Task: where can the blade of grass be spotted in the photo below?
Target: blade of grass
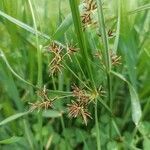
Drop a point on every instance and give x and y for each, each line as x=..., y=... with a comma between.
x=13, y=117
x=139, y=9
x=2, y=55
x=135, y=103
x=27, y=27
x=81, y=38
x=11, y=140
x=23, y=25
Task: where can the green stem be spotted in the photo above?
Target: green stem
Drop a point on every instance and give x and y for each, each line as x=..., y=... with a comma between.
x=63, y=128
x=106, y=55
x=97, y=128
x=81, y=39
x=39, y=60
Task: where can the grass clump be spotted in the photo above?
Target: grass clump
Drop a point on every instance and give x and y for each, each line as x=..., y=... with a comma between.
x=76, y=77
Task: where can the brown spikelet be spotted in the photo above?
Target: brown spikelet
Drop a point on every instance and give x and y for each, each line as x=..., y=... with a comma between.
x=86, y=17
x=45, y=102
x=80, y=94
x=55, y=65
x=77, y=109
x=71, y=49
x=115, y=59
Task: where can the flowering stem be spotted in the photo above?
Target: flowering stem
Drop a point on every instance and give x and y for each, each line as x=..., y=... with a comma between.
x=97, y=128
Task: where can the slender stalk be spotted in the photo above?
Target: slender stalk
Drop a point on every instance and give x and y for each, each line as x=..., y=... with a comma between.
x=39, y=52
x=63, y=128
x=106, y=55
x=39, y=77
x=97, y=128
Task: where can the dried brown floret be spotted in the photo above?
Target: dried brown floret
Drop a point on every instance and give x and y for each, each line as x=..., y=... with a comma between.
x=115, y=59
x=56, y=63
x=110, y=33
x=45, y=102
x=89, y=5
x=41, y=105
x=55, y=48
x=77, y=109
x=80, y=94
x=71, y=49
x=86, y=17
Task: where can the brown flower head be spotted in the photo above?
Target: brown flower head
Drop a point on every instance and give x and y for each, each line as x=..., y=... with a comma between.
x=77, y=109
x=80, y=94
x=55, y=48
x=89, y=5
x=45, y=102
x=41, y=105
x=110, y=33
x=115, y=59
x=56, y=63
x=86, y=17
x=71, y=49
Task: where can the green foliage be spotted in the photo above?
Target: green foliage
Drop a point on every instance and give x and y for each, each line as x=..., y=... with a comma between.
x=104, y=60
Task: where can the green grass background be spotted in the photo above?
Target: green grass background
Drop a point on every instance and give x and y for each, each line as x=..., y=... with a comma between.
x=26, y=26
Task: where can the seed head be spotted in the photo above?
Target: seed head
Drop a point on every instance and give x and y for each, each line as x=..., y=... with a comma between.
x=45, y=102
x=55, y=65
x=86, y=17
x=71, y=49
x=81, y=95
x=115, y=59
x=77, y=109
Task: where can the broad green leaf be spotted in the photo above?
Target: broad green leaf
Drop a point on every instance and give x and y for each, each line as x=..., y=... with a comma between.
x=51, y=114
x=11, y=140
x=135, y=103
x=12, y=118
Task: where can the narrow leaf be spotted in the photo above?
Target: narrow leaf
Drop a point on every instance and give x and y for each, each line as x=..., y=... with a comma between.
x=11, y=140
x=12, y=118
x=135, y=103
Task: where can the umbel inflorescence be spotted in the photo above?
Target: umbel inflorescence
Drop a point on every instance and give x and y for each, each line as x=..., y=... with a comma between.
x=81, y=98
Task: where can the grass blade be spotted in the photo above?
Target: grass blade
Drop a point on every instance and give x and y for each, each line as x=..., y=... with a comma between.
x=11, y=140
x=81, y=37
x=13, y=117
x=135, y=103
x=23, y=25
